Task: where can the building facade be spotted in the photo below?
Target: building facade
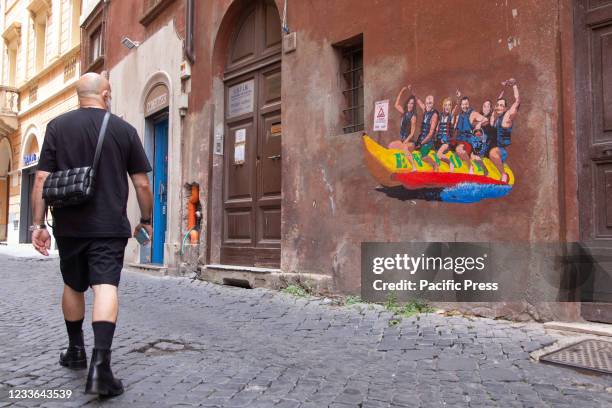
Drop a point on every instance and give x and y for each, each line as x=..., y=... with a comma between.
x=40, y=66
x=254, y=113
x=143, y=55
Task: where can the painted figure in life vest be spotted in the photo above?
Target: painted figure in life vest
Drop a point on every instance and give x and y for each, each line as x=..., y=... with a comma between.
x=503, y=119
x=469, y=132
x=446, y=126
x=425, y=141
x=489, y=134
x=408, y=124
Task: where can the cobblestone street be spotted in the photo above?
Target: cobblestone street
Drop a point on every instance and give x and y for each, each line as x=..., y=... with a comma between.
x=183, y=342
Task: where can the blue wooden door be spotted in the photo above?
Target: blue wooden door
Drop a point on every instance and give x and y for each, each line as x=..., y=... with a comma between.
x=160, y=191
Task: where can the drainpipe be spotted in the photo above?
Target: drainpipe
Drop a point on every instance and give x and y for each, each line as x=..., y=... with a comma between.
x=192, y=217
x=190, y=27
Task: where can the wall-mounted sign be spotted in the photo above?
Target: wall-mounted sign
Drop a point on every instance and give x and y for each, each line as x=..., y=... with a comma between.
x=30, y=159
x=239, y=146
x=241, y=98
x=218, y=146
x=157, y=99
x=381, y=116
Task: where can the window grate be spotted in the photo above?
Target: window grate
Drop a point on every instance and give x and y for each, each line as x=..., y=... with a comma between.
x=70, y=69
x=33, y=94
x=352, y=72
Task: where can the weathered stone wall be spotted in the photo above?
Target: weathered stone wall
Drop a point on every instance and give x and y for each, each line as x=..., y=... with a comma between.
x=438, y=47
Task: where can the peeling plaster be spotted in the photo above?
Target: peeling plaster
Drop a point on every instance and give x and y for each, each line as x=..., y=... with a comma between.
x=330, y=189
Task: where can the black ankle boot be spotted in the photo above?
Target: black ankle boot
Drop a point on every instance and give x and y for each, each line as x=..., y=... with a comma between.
x=101, y=380
x=74, y=357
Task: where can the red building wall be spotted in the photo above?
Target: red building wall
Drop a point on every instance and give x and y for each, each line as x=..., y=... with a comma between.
x=124, y=21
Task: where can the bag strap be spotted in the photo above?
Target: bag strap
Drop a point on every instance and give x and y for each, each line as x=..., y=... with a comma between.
x=101, y=140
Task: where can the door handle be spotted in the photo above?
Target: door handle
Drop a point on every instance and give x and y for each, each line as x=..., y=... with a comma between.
x=607, y=152
x=275, y=157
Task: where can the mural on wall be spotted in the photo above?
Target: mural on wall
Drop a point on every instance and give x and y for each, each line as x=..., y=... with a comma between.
x=456, y=155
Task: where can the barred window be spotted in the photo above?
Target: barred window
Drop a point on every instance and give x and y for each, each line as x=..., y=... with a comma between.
x=70, y=68
x=351, y=68
x=33, y=93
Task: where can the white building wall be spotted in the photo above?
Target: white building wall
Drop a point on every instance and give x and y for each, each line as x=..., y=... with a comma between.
x=159, y=57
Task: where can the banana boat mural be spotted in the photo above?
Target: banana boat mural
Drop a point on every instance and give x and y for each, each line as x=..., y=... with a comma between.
x=392, y=169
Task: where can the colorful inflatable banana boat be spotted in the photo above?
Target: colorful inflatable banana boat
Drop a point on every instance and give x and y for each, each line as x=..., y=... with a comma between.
x=392, y=168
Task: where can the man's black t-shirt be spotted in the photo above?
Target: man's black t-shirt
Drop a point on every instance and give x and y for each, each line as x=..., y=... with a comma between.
x=70, y=142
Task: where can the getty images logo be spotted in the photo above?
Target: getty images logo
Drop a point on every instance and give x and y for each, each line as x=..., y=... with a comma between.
x=411, y=264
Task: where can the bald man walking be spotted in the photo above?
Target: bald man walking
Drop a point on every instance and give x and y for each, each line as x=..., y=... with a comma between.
x=91, y=237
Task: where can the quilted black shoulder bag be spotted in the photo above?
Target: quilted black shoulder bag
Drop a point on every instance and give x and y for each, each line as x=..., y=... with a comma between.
x=72, y=187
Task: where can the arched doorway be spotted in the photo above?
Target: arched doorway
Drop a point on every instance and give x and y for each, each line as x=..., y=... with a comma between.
x=5, y=168
x=252, y=160
x=156, y=111
x=29, y=161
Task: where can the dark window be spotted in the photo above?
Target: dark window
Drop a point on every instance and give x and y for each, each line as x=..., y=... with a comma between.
x=95, y=45
x=351, y=67
x=33, y=93
x=70, y=68
x=93, y=42
x=153, y=8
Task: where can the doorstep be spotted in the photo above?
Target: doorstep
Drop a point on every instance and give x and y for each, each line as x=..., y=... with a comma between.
x=598, y=329
x=255, y=269
x=259, y=277
x=151, y=269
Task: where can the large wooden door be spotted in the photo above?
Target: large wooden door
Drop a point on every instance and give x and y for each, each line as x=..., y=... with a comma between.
x=593, y=33
x=252, y=159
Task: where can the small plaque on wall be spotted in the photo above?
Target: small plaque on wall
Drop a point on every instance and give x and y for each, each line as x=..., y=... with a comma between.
x=218, y=146
x=241, y=98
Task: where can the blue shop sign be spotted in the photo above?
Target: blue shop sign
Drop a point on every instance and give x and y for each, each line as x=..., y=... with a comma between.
x=30, y=159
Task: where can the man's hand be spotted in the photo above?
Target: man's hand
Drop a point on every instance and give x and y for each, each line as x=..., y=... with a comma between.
x=41, y=239
x=147, y=228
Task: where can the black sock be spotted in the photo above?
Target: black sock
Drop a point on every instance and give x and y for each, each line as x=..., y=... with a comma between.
x=75, y=333
x=103, y=334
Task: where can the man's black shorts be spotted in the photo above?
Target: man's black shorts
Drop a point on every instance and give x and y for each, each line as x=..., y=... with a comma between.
x=86, y=262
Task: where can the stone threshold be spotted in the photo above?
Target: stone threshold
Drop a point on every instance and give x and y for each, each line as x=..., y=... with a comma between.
x=242, y=268
x=155, y=270
x=258, y=277
x=597, y=329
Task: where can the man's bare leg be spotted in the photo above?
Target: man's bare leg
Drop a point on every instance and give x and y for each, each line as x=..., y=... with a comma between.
x=427, y=159
x=465, y=157
x=495, y=156
x=73, y=306
x=409, y=148
x=441, y=155
x=478, y=159
x=106, y=303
